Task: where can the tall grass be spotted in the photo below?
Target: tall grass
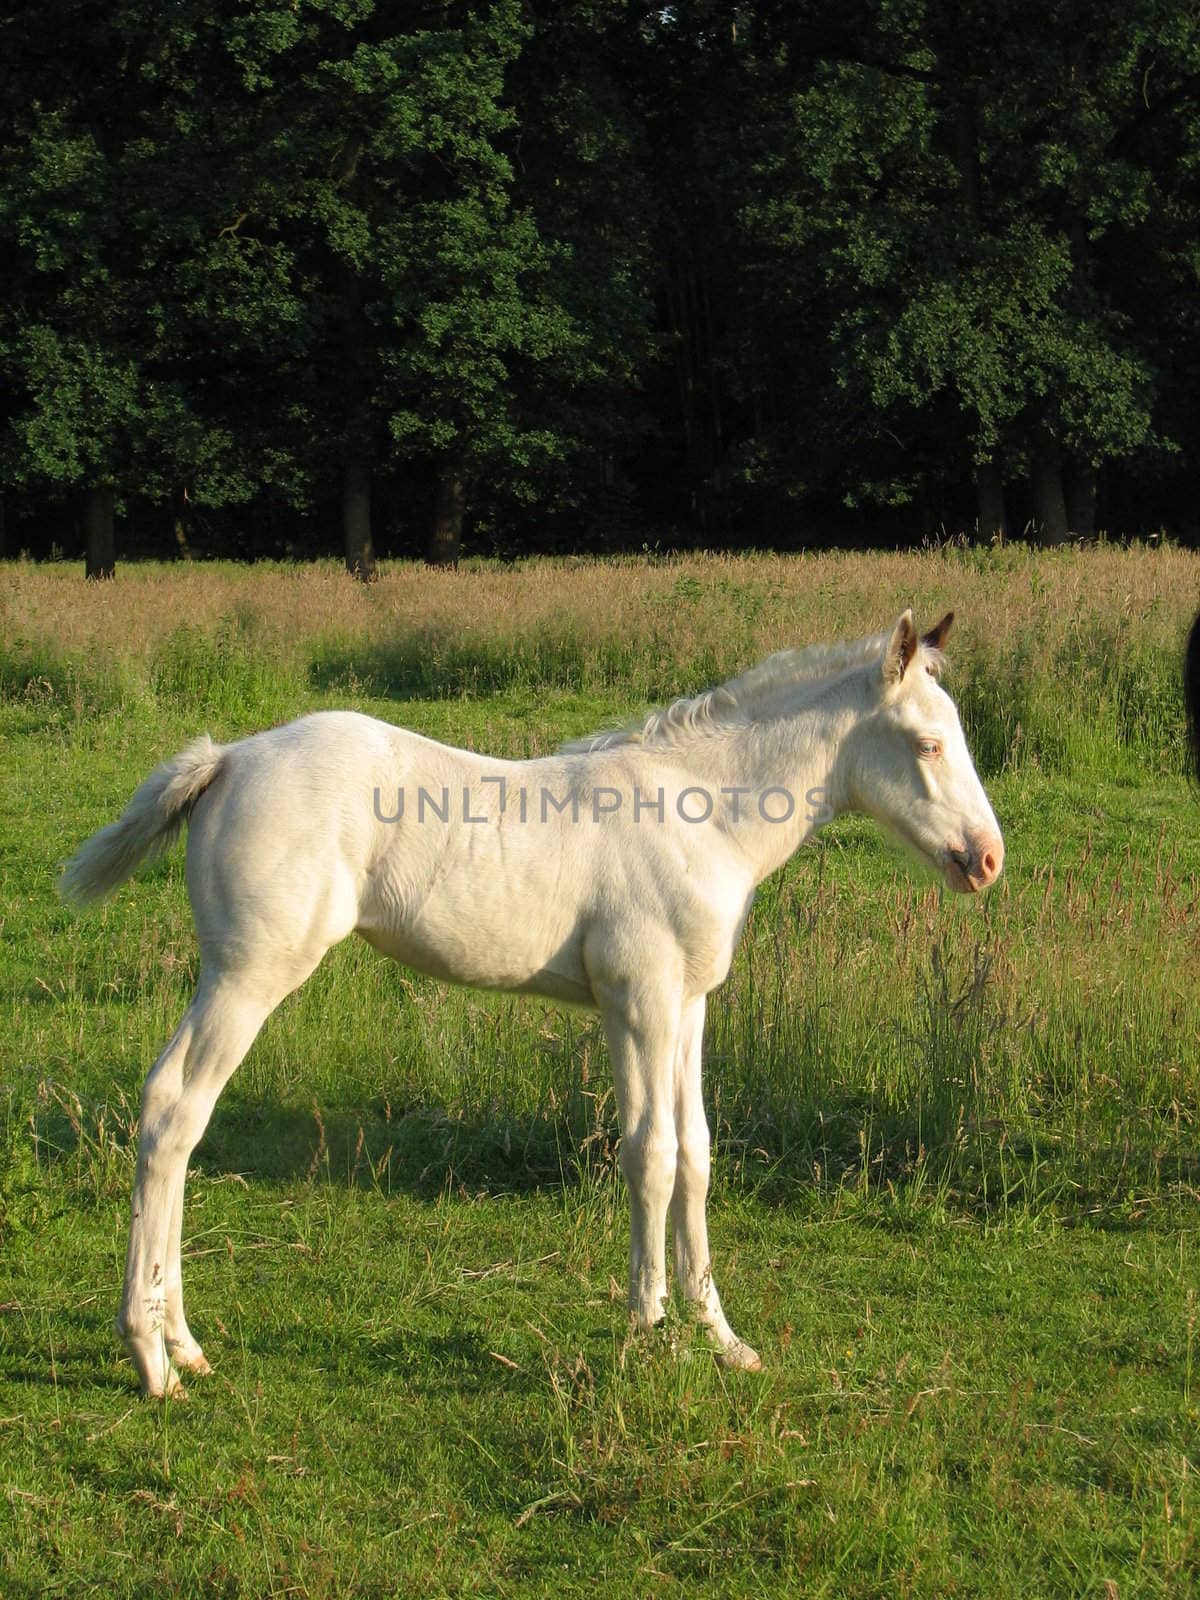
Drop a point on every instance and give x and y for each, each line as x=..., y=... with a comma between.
x=1064, y=660
x=874, y=1038
x=871, y=1032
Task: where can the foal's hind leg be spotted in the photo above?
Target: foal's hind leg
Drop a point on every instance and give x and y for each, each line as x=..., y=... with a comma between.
x=185, y=1353
x=693, y=1267
x=177, y=1101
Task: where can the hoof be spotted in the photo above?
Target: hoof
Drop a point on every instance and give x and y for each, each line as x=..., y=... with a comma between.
x=154, y=1366
x=739, y=1357
x=172, y=1389
x=189, y=1358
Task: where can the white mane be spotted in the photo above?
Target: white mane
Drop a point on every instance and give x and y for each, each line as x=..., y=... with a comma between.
x=784, y=681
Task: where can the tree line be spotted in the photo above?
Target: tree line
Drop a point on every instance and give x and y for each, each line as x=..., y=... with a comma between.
x=284, y=275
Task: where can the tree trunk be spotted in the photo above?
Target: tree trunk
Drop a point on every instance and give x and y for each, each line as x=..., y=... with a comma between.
x=989, y=476
x=1081, y=499
x=356, y=521
x=98, y=528
x=357, y=385
x=1049, y=502
x=989, y=484
x=449, y=507
x=181, y=517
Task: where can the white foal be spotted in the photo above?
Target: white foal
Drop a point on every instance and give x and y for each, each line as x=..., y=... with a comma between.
x=616, y=874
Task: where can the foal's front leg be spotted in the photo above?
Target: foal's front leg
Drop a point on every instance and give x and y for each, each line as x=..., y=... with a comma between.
x=641, y=1024
x=693, y=1266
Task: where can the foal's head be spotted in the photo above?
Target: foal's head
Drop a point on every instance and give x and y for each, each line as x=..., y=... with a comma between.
x=910, y=767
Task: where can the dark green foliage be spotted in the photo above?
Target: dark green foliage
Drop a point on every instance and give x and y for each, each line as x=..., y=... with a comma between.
x=590, y=273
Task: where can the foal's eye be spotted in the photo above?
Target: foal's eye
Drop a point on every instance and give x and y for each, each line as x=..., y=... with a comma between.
x=928, y=748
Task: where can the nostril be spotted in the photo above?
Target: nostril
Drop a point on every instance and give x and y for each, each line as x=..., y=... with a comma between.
x=990, y=859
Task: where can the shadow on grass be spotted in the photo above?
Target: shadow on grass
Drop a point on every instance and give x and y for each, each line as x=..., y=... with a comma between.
x=435, y=666
x=421, y=1150
x=69, y=1352
x=856, y=1148
x=853, y=1149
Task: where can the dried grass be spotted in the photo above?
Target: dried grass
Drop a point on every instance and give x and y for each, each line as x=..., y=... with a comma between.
x=785, y=599
x=1097, y=632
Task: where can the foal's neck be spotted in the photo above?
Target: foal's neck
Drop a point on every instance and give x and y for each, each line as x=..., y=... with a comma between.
x=792, y=760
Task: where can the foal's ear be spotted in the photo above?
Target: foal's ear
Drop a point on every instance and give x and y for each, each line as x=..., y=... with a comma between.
x=936, y=637
x=900, y=649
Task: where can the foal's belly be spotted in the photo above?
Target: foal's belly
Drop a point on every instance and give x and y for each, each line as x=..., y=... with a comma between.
x=494, y=968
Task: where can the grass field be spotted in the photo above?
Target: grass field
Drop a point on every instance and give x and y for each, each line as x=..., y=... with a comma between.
x=958, y=1165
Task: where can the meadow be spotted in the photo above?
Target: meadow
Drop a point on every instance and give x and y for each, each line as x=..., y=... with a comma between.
x=957, y=1161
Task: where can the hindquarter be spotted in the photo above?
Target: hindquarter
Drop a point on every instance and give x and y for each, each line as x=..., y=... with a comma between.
x=276, y=859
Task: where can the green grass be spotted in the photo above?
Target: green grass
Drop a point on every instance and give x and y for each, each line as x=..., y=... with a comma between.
x=954, y=1207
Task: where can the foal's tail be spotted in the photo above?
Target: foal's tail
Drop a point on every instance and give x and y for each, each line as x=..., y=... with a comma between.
x=1191, y=693
x=147, y=826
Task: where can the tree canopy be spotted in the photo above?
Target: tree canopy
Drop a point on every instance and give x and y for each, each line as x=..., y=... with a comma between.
x=593, y=274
